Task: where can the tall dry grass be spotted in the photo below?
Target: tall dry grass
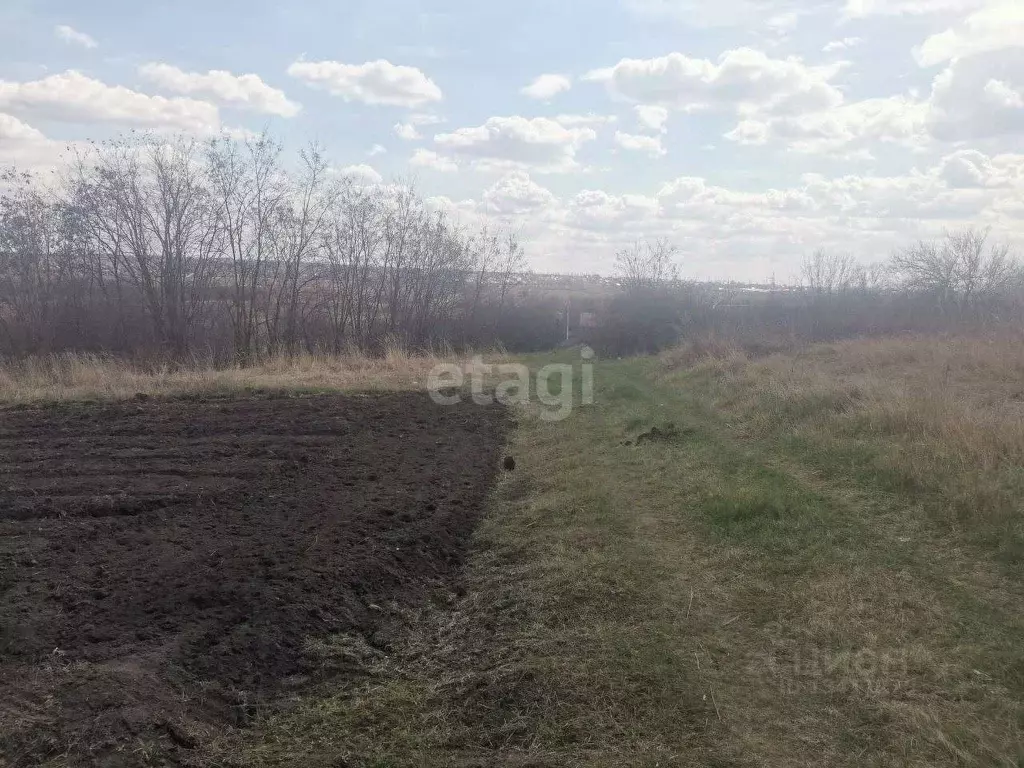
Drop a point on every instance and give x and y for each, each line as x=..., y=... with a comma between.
x=939, y=416
x=99, y=377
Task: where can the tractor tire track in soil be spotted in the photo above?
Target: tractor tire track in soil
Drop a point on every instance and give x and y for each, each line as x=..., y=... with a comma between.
x=164, y=563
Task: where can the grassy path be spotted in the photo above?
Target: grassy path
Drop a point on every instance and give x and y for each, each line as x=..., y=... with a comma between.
x=713, y=596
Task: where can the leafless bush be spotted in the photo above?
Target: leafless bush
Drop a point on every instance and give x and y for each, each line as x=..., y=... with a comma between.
x=959, y=283
x=828, y=273
x=650, y=311
x=647, y=265
x=960, y=272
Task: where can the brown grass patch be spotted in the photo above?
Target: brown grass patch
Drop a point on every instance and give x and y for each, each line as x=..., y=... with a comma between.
x=940, y=415
x=103, y=377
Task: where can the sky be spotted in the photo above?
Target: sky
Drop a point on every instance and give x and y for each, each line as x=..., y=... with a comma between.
x=748, y=133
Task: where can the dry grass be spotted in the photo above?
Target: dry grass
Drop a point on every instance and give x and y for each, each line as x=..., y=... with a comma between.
x=939, y=416
x=98, y=377
x=876, y=490
x=881, y=483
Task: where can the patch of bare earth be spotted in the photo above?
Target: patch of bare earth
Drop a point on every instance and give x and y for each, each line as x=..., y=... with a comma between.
x=166, y=565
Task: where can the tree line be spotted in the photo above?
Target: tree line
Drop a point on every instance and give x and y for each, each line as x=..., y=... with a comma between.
x=963, y=281
x=229, y=250
x=226, y=249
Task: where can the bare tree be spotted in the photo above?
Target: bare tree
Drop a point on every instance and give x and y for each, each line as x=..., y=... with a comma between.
x=647, y=265
x=826, y=273
x=960, y=271
x=145, y=207
x=484, y=252
x=875, y=278
x=249, y=188
x=228, y=247
x=301, y=222
x=511, y=262
x=31, y=268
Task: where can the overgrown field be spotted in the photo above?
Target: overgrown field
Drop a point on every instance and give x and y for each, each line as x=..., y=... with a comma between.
x=810, y=558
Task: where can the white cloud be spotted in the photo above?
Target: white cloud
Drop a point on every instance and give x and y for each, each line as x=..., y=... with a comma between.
x=691, y=197
x=753, y=133
x=74, y=97
x=860, y=124
x=916, y=196
x=979, y=97
x=377, y=149
x=724, y=232
x=245, y=91
x=538, y=143
x=16, y=137
x=240, y=133
x=597, y=211
x=1002, y=95
x=74, y=37
x=842, y=45
x=406, y=131
x=867, y=214
x=651, y=145
x=409, y=130
x=993, y=28
x=25, y=147
x=426, y=158
x=466, y=212
x=375, y=82
x=651, y=117
x=971, y=169
x=13, y=130
x=361, y=174
x=546, y=87
x=743, y=80
x=517, y=193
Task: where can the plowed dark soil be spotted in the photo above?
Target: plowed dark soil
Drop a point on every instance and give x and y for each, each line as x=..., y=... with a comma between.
x=164, y=563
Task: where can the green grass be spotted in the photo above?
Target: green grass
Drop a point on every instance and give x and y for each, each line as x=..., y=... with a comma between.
x=733, y=594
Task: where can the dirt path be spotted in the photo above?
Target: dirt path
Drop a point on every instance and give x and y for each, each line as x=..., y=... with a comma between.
x=164, y=563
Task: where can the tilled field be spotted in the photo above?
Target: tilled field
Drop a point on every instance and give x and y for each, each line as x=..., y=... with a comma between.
x=165, y=563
